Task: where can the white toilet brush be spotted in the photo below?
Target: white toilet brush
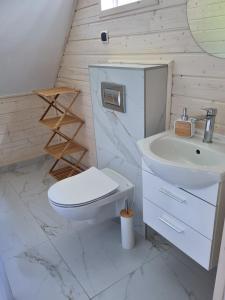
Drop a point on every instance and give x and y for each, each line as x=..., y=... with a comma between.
x=127, y=227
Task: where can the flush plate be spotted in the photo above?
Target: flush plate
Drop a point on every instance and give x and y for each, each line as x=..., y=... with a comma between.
x=113, y=96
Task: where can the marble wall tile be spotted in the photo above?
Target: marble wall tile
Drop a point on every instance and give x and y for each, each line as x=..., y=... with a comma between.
x=97, y=259
x=116, y=133
x=131, y=172
x=112, y=135
x=40, y=274
x=134, y=82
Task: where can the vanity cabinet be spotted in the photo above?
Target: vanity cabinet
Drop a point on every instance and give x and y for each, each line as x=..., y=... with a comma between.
x=192, y=220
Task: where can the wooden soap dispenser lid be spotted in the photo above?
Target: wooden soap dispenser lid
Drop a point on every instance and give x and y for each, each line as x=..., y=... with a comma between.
x=184, y=127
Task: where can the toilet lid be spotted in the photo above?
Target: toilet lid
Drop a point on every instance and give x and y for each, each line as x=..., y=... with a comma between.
x=85, y=187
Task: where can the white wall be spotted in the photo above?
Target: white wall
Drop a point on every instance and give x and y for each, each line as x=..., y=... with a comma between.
x=32, y=39
x=21, y=135
x=153, y=33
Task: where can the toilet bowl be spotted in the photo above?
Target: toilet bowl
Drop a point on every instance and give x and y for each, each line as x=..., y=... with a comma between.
x=94, y=195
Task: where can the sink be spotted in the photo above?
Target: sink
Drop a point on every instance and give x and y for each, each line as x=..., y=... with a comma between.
x=184, y=162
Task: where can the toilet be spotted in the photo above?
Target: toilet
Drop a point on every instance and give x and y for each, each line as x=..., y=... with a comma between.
x=93, y=195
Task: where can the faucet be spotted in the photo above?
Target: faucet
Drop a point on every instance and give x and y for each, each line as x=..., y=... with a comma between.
x=209, y=124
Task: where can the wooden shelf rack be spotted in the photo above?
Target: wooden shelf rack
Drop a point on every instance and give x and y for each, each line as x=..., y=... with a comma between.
x=62, y=149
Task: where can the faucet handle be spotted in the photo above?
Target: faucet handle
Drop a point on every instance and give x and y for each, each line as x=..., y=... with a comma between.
x=210, y=111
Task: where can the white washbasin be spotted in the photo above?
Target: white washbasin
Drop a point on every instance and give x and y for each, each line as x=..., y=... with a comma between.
x=187, y=163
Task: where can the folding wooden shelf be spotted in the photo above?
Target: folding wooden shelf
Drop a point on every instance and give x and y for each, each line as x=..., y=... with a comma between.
x=63, y=149
x=53, y=123
x=64, y=172
x=65, y=116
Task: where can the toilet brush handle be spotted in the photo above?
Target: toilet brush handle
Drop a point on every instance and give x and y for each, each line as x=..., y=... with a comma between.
x=126, y=206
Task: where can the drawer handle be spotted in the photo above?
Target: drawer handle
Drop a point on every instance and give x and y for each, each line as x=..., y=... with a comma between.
x=174, y=227
x=171, y=195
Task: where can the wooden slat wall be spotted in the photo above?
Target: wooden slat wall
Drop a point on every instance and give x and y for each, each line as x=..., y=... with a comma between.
x=21, y=136
x=159, y=32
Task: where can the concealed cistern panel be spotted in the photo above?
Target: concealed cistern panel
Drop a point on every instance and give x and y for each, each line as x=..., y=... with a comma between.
x=113, y=96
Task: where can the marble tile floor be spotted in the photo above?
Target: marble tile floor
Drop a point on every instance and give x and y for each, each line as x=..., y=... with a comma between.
x=49, y=258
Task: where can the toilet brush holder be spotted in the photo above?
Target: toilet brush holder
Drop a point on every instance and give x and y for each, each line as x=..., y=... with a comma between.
x=127, y=228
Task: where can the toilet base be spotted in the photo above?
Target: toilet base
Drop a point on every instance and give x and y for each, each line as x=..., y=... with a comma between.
x=94, y=214
x=102, y=209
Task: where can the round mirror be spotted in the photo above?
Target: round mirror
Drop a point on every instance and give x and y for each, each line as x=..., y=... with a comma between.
x=206, y=19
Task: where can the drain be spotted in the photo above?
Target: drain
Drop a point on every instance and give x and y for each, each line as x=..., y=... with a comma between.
x=198, y=151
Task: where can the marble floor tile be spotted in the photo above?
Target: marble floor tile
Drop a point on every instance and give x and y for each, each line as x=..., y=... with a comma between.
x=48, y=257
x=198, y=281
x=175, y=258
x=162, y=278
x=52, y=224
x=96, y=258
x=40, y=274
x=31, y=180
x=9, y=200
x=18, y=229
x=158, y=241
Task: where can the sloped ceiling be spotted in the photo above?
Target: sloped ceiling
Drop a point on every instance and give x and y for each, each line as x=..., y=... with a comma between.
x=32, y=41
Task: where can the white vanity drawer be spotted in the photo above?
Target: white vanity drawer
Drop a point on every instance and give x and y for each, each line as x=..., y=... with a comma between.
x=189, y=209
x=182, y=236
x=209, y=194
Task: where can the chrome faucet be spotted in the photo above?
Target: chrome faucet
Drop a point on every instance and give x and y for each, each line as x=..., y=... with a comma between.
x=209, y=124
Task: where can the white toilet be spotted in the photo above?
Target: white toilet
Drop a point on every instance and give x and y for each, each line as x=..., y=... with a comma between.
x=94, y=195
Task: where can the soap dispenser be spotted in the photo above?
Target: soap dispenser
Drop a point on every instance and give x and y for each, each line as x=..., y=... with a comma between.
x=184, y=126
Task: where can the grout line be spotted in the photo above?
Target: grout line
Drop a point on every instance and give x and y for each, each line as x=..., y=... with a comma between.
x=127, y=54
x=196, y=98
x=127, y=275
x=143, y=33
x=82, y=287
x=202, y=76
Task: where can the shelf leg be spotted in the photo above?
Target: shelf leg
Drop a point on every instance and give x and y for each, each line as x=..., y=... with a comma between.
x=54, y=165
x=51, y=138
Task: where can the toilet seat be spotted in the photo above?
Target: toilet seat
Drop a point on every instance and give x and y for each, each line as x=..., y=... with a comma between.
x=85, y=188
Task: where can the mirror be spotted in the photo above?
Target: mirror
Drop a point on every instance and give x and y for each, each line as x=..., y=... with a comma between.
x=206, y=19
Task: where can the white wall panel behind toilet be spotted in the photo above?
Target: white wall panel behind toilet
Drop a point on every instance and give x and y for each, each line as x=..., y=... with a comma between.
x=116, y=133
x=33, y=36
